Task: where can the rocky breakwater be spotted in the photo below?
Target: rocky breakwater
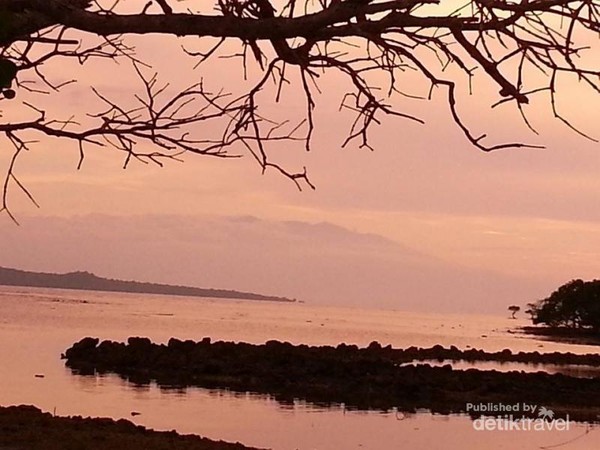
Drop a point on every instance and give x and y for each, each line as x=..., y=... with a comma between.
x=440, y=353
x=373, y=377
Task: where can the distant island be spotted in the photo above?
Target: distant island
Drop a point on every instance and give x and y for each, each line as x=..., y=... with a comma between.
x=87, y=281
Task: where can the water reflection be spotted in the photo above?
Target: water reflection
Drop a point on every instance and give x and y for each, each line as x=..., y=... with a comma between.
x=262, y=421
x=35, y=330
x=572, y=370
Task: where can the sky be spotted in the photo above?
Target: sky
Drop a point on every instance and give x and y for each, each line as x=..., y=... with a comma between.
x=425, y=222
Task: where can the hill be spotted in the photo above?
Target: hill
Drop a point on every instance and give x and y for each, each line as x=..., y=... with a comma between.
x=89, y=282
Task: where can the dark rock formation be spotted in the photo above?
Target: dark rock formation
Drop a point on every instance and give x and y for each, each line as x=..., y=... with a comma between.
x=26, y=427
x=366, y=378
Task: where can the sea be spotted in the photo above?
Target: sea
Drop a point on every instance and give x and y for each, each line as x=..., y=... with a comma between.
x=37, y=325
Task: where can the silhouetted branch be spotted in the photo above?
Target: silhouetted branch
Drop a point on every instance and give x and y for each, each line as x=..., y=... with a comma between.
x=495, y=40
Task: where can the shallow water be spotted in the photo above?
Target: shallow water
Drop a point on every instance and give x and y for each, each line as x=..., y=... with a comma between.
x=36, y=325
x=572, y=370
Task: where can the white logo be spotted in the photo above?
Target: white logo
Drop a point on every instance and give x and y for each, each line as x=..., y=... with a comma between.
x=545, y=413
x=545, y=420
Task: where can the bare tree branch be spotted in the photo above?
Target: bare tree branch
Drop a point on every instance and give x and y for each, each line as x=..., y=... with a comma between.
x=444, y=43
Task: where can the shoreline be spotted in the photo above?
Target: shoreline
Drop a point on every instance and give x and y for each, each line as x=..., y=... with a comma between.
x=562, y=335
x=27, y=427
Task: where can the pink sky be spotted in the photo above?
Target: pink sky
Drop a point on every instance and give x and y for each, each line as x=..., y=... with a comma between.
x=518, y=222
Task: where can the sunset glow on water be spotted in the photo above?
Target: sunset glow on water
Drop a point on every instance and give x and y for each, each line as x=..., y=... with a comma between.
x=45, y=322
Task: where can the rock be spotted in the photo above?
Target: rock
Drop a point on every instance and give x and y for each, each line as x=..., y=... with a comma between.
x=366, y=378
x=84, y=346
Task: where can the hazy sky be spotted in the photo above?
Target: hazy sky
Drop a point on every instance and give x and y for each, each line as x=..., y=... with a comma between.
x=424, y=222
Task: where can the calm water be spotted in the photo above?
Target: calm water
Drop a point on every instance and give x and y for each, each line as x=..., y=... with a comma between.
x=36, y=325
x=579, y=371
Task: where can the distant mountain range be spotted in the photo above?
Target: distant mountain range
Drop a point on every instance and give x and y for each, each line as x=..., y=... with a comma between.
x=89, y=282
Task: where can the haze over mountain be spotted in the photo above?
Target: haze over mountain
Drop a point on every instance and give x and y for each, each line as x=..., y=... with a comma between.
x=320, y=263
